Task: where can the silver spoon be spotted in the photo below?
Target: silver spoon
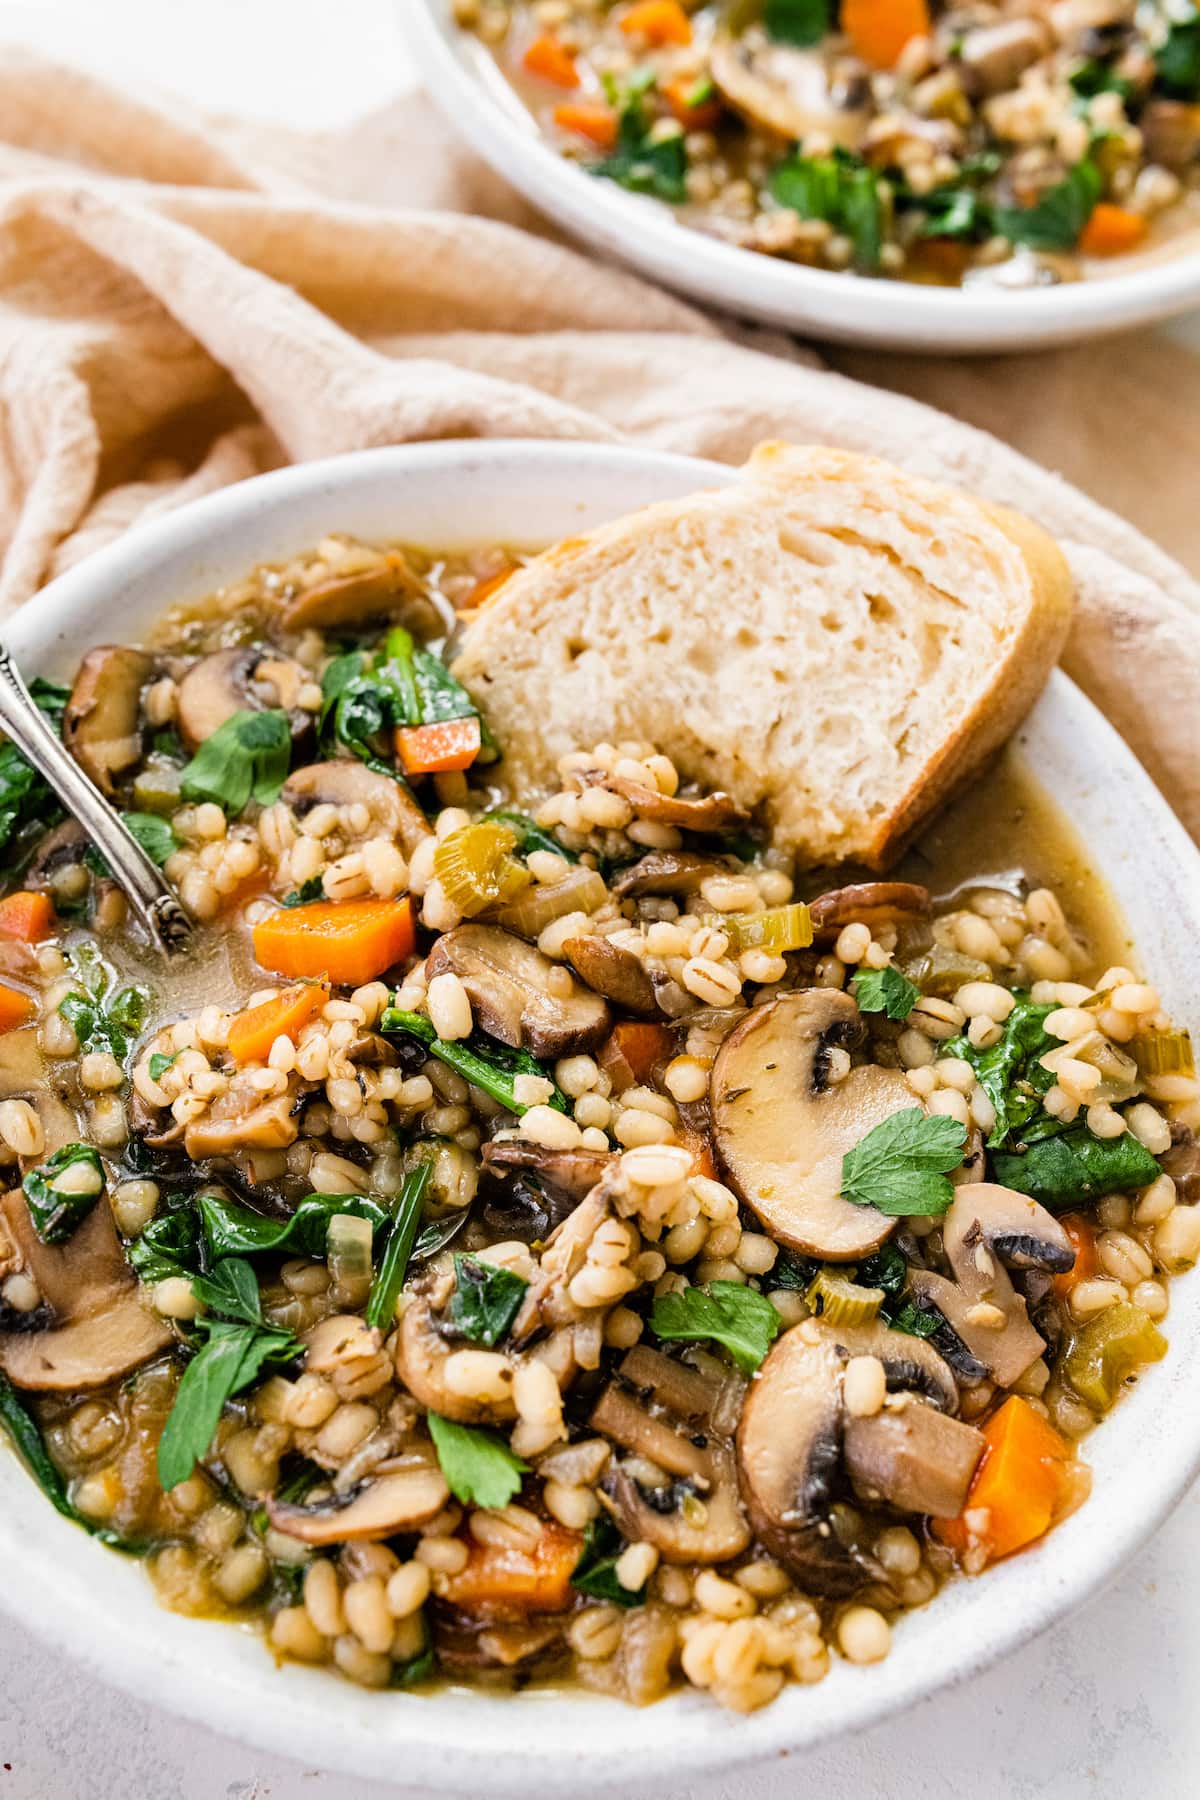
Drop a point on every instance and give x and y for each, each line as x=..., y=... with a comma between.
x=153, y=901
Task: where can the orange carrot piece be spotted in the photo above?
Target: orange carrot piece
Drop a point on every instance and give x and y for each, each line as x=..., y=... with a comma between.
x=879, y=29
x=483, y=590
x=631, y=1050
x=348, y=942
x=547, y=59
x=599, y=125
x=1082, y=1234
x=659, y=22
x=16, y=1008
x=504, y=1581
x=285, y=1015
x=435, y=749
x=693, y=118
x=701, y=1149
x=27, y=915
x=1017, y=1486
x=1112, y=230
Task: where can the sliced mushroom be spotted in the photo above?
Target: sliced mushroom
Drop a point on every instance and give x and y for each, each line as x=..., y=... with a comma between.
x=576, y=1172
x=240, y=1119
x=869, y=902
x=1171, y=130
x=914, y=1457
x=703, y=812
x=781, y=1128
x=23, y=1076
x=607, y=969
x=224, y=683
x=347, y=782
x=464, y=1646
x=351, y=599
x=667, y=872
x=792, y=1444
x=101, y=721
x=508, y=982
x=95, y=1325
x=986, y=1227
x=662, y=1411
x=422, y=1350
x=401, y=1496
x=1181, y=1162
x=995, y=56
x=786, y=90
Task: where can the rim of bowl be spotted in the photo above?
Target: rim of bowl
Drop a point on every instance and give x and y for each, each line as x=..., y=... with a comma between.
x=645, y=232
x=453, y=1740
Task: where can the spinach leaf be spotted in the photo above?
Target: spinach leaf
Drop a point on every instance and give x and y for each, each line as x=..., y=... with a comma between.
x=595, y=1574
x=1056, y=220
x=793, y=1271
x=479, y=1467
x=741, y=1320
x=1011, y=1072
x=28, y=805
x=108, y=1026
x=916, y=1321
x=160, y=1063
x=169, y=1245
x=231, y=1359
x=530, y=835
x=958, y=212
x=902, y=1166
x=380, y=1309
x=1071, y=1166
x=840, y=189
x=59, y=1201
x=800, y=22
x=479, y=1059
x=885, y=1268
x=1092, y=77
x=231, y=1288
x=152, y=833
x=1178, y=60
x=885, y=991
x=245, y=758
x=640, y=161
x=485, y=1301
x=231, y=1229
x=307, y=892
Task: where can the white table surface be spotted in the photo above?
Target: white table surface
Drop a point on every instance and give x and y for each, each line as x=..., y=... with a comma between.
x=1102, y=1708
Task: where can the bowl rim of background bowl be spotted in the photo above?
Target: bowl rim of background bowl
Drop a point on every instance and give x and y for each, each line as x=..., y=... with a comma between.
x=825, y=304
x=100, y=1610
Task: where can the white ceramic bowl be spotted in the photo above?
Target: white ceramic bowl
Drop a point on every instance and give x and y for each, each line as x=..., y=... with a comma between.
x=99, y=1607
x=478, y=103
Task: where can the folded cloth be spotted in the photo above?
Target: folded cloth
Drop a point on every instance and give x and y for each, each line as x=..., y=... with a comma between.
x=186, y=302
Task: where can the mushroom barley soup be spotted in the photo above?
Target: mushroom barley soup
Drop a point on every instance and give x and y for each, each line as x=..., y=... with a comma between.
x=539, y=1234
x=1020, y=144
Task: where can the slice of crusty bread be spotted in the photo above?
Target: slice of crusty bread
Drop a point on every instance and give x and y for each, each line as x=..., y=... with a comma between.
x=836, y=643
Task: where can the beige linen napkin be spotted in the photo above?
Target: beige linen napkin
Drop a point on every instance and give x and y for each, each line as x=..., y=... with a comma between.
x=184, y=303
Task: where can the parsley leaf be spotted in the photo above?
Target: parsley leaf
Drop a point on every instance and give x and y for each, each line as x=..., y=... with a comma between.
x=1072, y=1166
x=901, y=1167
x=740, y=1319
x=885, y=991
x=153, y=834
x=916, y=1321
x=640, y=161
x=1011, y=1072
x=479, y=1466
x=1056, y=220
x=229, y=1361
x=245, y=759
x=160, y=1062
x=479, y=1059
x=485, y=1301
x=103, y=1024
x=840, y=189
x=800, y=22
x=312, y=889
x=1178, y=60
x=56, y=1206
x=595, y=1574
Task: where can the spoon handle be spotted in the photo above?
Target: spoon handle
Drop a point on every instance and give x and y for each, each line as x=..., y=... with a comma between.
x=148, y=893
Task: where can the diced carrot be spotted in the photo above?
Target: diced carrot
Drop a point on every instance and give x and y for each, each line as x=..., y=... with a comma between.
x=596, y=123
x=1082, y=1234
x=879, y=29
x=701, y=117
x=345, y=941
x=1017, y=1486
x=631, y=1050
x=547, y=59
x=27, y=915
x=435, y=749
x=659, y=22
x=483, y=590
x=701, y=1149
x=285, y=1015
x=507, y=1581
x=16, y=1008
x=1111, y=230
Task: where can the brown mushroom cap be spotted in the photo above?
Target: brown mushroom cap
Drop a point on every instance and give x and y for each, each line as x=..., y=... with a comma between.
x=782, y=88
x=612, y=971
x=702, y=812
x=871, y=903
x=400, y=1496
x=98, y=1328
x=576, y=1172
x=240, y=1119
x=509, y=988
x=101, y=721
x=781, y=1130
x=222, y=684
x=667, y=872
x=345, y=781
x=351, y=599
x=422, y=1350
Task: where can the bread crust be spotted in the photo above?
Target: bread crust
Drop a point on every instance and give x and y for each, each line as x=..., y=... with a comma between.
x=523, y=633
